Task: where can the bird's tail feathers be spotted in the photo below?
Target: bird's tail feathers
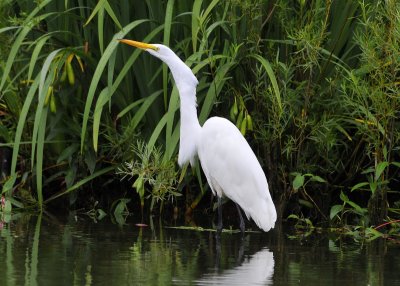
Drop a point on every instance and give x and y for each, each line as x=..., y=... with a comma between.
x=264, y=216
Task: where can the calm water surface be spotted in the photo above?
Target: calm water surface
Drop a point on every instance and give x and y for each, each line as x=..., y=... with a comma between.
x=43, y=250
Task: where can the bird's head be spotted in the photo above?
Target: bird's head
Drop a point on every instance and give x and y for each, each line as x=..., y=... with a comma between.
x=160, y=51
x=182, y=74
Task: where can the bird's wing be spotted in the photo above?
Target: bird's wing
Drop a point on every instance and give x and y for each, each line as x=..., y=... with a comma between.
x=232, y=168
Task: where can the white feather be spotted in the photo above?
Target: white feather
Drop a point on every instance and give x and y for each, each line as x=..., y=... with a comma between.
x=233, y=170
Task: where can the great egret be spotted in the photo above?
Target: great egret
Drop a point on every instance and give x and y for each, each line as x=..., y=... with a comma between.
x=229, y=164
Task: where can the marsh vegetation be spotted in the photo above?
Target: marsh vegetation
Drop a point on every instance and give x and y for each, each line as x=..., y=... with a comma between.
x=313, y=86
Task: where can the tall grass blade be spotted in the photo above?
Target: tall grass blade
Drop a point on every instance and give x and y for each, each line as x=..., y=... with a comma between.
x=5, y=29
x=128, y=64
x=101, y=101
x=39, y=156
x=97, y=8
x=157, y=131
x=98, y=73
x=129, y=108
x=268, y=68
x=167, y=33
x=196, y=23
x=26, y=28
x=112, y=15
x=32, y=269
x=82, y=182
x=172, y=108
x=35, y=55
x=21, y=123
x=46, y=78
x=215, y=88
x=100, y=29
x=143, y=109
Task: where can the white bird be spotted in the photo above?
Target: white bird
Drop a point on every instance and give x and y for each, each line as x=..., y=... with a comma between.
x=228, y=162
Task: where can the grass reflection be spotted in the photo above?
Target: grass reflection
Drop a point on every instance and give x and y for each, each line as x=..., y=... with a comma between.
x=5, y=234
x=32, y=257
x=43, y=250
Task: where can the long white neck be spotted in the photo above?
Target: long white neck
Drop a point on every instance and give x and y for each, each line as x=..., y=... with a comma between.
x=190, y=128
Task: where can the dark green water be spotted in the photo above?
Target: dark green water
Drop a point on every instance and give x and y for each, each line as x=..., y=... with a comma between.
x=76, y=251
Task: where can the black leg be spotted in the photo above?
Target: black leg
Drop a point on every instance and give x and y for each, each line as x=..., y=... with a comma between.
x=242, y=226
x=219, y=226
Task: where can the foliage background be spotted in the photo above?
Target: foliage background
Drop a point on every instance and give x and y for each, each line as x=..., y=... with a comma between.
x=313, y=85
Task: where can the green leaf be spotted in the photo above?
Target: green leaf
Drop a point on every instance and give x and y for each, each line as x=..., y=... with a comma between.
x=82, y=182
x=2, y=30
x=343, y=131
x=298, y=182
x=344, y=198
x=121, y=206
x=317, y=179
x=380, y=168
x=359, y=186
x=101, y=101
x=39, y=156
x=112, y=15
x=9, y=184
x=67, y=153
x=131, y=60
x=309, y=222
x=306, y=203
x=139, y=186
x=26, y=28
x=45, y=80
x=167, y=33
x=157, y=131
x=357, y=208
x=373, y=186
x=16, y=203
x=4, y=134
x=268, y=68
x=119, y=219
x=214, y=90
x=140, y=113
x=100, y=28
x=335, y=210
x=373, y=233
x=196, y=22
x=170, y=124
x=293, y=216
x=21, y=123
x=35, y=55
x=90, y=160
x=101, y=214
x=397, y=164
x=7, y=206
x=100, y=5
x=129, y=107
x=98, y=73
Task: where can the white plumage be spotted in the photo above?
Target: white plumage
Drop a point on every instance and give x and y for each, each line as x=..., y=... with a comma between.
x=230, y=165
x=233, y=170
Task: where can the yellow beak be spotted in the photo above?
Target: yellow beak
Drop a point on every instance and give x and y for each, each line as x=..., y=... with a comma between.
x=139, y=45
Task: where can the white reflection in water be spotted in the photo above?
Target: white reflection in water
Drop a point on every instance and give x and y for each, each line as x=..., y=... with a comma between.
x=256, y=270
